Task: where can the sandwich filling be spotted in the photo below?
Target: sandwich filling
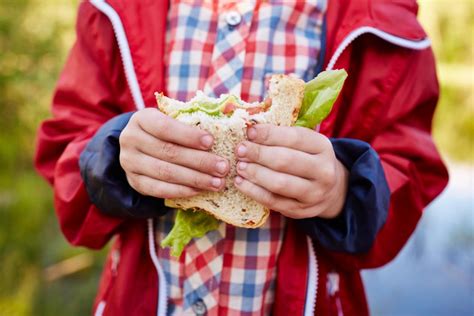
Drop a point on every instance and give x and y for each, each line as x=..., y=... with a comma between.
x=226, y=105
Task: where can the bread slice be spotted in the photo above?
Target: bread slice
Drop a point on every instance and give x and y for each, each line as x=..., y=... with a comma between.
x=230, y=205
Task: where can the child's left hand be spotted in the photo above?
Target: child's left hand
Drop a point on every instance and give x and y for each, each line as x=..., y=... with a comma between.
x=292, y=170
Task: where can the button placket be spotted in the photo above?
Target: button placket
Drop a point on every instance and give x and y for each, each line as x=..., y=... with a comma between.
x=228, y=56
x=199, y=307
x=233, y=18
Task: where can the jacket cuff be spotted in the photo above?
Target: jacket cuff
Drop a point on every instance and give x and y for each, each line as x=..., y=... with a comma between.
x=366, y=206
x=105, y=180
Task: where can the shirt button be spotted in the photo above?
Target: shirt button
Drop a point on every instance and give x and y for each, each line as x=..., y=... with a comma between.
x=233, y=18
x=199, y=307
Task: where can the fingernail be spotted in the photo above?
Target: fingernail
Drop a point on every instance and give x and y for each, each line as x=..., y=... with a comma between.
x=221, y=166
x=241, y=151
x=206, y=140
x=251, y=133
x=242, y=165
x=216, y=182
x=238, y=180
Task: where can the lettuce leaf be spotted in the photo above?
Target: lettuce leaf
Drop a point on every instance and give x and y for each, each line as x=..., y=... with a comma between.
x=319, y=97
x=210, y=108
x=188, y=225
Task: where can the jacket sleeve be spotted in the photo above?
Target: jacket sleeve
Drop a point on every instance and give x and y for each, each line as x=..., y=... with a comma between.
x=105, y=180
x=366, y=203
x=88, y=93
x=400, y=133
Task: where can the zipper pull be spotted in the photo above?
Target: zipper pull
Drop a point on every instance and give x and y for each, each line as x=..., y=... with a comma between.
x=332, y=288
x=333, y=283
x=115, y=257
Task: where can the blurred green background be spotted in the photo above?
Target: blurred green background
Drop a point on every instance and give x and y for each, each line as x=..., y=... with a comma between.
x=40, y=274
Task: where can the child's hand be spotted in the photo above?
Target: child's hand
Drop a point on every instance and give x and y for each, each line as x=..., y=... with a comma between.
x=292, y=170
x=167, y=159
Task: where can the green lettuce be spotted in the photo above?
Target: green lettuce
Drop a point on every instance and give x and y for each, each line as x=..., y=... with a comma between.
x=319, y=97
x=210, y=108
x=188, y=225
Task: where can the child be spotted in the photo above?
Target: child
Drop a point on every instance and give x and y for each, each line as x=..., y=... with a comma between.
x=340, y=204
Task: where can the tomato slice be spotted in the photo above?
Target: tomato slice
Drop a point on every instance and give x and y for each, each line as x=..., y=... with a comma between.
x=229, y=108
x=254, y=110
x=267, y=103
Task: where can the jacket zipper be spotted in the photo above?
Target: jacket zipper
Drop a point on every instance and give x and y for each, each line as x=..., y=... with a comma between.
x=162, y=290
x=313, y=274
x=124, y=49
x=134, y=86
x=399, y=41
x=115, y=260
x=99, y=311
x=312, y=290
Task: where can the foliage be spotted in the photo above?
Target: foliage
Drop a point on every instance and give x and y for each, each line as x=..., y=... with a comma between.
x=454, y=123
x=34, y=39
x=32, y=52
x=450, y=28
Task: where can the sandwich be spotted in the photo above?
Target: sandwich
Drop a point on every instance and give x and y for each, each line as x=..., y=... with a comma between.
x=227, y=119
x=290, y=101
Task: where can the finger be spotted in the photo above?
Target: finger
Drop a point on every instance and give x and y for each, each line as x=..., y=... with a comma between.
x=299, y=138
x=279, y=183
x=281, y=159
x=268, y=199
x=168, y=172
x=160, y=189
x=168, y=129
x=192, y=158
x=325, y=171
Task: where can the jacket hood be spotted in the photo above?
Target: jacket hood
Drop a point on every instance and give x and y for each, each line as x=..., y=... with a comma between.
x=397, y=18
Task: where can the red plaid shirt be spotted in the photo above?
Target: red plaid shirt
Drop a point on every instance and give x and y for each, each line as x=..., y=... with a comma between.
x=233, y=47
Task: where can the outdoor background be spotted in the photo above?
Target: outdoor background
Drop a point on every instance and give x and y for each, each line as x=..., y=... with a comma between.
x=40, y=274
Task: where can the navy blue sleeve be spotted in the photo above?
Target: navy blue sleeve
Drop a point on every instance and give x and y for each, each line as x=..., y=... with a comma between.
x=105, y=180
x=366, y=204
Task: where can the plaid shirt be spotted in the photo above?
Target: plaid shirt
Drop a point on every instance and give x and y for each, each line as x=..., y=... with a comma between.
x=232, y=47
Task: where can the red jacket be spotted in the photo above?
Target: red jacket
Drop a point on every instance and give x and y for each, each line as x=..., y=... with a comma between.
x=388, y=101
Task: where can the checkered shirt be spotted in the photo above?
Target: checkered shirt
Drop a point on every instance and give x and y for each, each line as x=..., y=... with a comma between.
x=233, y=47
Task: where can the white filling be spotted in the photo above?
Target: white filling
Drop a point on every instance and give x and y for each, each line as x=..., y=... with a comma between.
x=201, y=97
x=238, y=115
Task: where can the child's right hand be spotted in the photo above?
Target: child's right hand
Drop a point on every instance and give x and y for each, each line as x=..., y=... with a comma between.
x=165, y=158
